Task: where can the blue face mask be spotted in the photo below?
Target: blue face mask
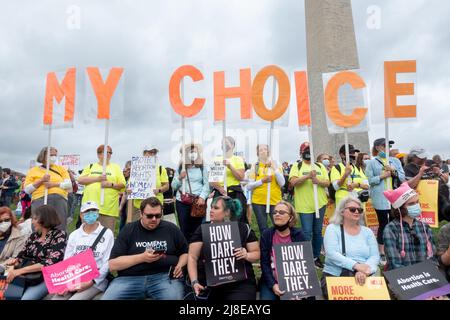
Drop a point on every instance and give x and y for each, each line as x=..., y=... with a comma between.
x=382, y=154
x=90, y=217
x=366, y=162
x=326, y=163
x=414, y=211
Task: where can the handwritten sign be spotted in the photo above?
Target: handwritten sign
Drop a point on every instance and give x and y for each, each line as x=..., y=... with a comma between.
x=68, y=274
x=70, y=161
x=142, y=177
x=296, y=271
x=216, y=172
x=346, y=288
x=219, y=242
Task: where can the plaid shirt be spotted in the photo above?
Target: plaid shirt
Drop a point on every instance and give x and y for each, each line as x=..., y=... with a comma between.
x=415, y=243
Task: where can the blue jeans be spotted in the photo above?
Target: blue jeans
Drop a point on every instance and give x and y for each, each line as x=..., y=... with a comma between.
x=37, y=292
x=266, y=293
x=156, y=286
x=312, y=229
x=261, y=216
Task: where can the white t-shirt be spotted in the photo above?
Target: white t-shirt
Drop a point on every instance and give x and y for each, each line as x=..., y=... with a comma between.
x=79, y=241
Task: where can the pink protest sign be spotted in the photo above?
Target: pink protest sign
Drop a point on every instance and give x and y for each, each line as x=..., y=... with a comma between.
x=68, y=274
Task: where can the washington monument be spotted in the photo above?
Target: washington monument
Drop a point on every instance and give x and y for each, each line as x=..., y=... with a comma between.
x=331, y=47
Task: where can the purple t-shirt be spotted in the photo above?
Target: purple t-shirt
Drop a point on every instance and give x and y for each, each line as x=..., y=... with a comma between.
x=277, y=239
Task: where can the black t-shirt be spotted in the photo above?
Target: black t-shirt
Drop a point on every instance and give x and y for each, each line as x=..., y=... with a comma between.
x=247, y=235
x=412, y=170
x=134, y=239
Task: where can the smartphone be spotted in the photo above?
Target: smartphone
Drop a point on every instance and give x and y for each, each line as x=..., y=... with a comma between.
x=204, y=294
x=171, y=272
x=159, y=251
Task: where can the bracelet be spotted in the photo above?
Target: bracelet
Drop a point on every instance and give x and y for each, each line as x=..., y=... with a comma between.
x=194, y=282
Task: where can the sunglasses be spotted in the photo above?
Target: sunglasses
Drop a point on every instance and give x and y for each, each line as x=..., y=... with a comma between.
x=6, y=220
x=280, y=212
x=151, y=216
x=354, y=209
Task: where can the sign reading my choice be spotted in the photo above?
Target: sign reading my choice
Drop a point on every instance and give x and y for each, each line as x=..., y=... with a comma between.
x=249, y=92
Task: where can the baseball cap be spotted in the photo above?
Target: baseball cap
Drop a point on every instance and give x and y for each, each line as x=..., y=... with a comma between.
x=304, y=146
x=150, y=149
x=418, y=152
x=382, y=142
x=351, y=149
x=89, y=205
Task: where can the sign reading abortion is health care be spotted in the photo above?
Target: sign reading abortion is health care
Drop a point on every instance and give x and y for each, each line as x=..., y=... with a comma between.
x=296, y=271
x=418, y=282
x=219, y=242
x=68, y=274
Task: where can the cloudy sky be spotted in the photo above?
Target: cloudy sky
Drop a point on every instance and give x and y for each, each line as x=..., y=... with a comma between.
x=152, y=38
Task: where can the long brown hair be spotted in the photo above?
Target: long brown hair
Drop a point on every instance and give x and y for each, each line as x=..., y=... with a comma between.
x=12, y=216
x=359, y=160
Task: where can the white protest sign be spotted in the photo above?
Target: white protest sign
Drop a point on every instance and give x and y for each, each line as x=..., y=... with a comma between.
x=216, y=172
x=142, y=177
x=70, y=161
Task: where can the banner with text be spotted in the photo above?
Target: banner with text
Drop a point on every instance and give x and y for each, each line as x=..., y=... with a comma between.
x=216, y=172
x=142, y=177
x=296, y=272
x=70, y=162
x=420, y=281
x=428, y=198
x=346, y=288
x=219, y=242
x=68, y=274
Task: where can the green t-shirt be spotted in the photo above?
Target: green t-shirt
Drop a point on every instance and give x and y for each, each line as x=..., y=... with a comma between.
x=304, y=193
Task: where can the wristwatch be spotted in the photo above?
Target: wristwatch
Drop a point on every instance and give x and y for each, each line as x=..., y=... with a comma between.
x=194, y=282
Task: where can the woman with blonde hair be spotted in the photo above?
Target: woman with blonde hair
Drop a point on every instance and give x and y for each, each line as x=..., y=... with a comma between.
x=56, y=181
x=351, y=249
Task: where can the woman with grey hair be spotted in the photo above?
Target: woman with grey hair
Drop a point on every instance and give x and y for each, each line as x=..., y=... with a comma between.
x=351, y=249
x=56, y=181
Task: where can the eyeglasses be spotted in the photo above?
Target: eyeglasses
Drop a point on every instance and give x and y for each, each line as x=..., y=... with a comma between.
x=280, y=212
x=6, y=220
x=354, y=209
x=151, y=216
x=108, y=152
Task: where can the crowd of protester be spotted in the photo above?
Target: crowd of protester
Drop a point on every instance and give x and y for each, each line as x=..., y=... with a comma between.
x=157, y=253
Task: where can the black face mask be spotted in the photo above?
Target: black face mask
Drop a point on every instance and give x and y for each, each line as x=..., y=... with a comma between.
x=306, y=156
x=281, y=228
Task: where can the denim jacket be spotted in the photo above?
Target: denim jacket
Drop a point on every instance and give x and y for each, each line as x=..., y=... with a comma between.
x=198, y=180
x=377, y=185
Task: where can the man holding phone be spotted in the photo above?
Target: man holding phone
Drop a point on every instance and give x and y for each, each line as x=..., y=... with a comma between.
x=144, y=254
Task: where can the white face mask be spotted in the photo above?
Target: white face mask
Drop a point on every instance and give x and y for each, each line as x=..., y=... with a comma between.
x=4, y=226
x=193, y=156
x=53, y=159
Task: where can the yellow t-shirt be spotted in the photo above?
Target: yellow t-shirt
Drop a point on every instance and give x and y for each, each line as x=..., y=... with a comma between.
x=237, y=163
x=304, y=193
x=359, y=177
x=343, y=190
x=38, y=172
x=160, y=179
x=92, y=192
x=259, y=194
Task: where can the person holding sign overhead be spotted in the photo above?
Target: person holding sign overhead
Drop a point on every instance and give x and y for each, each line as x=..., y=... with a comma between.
x=351, y=249
x=100, y=239
x=234, y=174
x=302, y=178
x=407, y=240
x=113, y=183
x=224, y=209
x=283, y=231
x=261, y=174
x=341, y=175
x=196, y=186
x=381, y=178
x=56, y=181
